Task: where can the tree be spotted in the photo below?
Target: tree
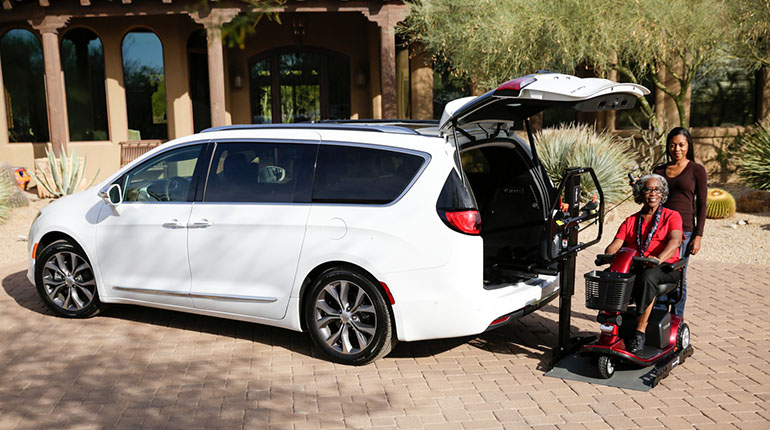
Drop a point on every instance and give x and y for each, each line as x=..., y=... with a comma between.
x=494, y=40
x=751, y=20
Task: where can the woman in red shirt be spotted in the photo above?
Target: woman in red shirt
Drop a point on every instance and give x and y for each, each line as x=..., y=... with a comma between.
x=688, y=185
x=655, y=232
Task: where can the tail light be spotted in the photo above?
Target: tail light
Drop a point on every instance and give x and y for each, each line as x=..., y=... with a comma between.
x=465, y=221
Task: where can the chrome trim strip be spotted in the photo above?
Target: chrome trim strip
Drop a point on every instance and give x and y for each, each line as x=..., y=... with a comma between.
x=199, y=295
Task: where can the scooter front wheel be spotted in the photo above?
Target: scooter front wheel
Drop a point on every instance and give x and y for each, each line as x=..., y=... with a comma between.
x=606, y=366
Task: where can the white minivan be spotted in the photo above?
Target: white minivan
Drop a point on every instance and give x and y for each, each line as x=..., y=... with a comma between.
x=360, y=233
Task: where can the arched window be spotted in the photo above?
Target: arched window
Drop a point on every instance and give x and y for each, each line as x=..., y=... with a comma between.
x=25, y=103
x=295, y=86
x=145, y=83
x=82, y=58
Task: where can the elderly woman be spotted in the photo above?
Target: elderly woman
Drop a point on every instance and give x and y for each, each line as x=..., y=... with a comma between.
x=656, y=232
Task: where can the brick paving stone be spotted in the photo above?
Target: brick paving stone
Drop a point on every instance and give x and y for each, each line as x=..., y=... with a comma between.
x=145, y=368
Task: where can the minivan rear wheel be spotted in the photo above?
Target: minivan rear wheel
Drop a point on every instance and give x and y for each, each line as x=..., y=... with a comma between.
x=348, y=318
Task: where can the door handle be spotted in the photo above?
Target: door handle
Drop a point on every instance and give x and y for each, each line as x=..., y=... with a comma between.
x=174, y=223
x=204, y=223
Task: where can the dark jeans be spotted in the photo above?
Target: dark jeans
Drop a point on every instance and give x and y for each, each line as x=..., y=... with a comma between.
x=645, y=285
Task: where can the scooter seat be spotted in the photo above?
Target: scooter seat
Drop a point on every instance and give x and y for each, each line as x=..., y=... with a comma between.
x=663, y=289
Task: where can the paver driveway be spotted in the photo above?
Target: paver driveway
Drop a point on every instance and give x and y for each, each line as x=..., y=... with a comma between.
x=144, y=368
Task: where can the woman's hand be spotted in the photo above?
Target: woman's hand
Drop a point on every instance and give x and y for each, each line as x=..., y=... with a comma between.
x=695, y=245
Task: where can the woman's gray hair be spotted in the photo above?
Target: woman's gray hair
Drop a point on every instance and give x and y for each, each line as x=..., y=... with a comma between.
x=639, y=185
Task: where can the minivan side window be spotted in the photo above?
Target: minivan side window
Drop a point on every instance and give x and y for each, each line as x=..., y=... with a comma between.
x=351, y=174
x=165, y=178
x=256, y=172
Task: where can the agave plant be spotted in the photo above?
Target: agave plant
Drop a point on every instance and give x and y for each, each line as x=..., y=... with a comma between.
x=66, y=173
x=581, y=146
x=5, y=192
x=754, y=160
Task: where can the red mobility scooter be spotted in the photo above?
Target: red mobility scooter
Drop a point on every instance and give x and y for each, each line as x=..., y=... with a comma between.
x=609, y=292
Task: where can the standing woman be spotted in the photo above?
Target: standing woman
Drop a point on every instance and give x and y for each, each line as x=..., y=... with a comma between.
x=688, y=184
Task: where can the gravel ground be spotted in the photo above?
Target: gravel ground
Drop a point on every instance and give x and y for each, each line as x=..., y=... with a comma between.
x=741, y=239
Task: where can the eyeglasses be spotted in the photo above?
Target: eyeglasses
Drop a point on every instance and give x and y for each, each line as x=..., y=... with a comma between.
x=652, y=190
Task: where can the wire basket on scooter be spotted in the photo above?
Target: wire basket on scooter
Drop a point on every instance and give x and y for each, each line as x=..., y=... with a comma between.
x=608, y=291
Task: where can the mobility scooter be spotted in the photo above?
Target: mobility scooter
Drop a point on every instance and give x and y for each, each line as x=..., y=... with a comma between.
x=609, y=292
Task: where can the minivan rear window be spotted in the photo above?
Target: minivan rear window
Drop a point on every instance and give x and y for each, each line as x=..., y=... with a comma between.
x=350, y=174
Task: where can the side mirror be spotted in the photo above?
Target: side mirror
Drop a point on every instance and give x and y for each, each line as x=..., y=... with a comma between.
x=112, y=195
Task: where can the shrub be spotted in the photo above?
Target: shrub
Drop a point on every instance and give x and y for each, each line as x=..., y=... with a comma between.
x=581, y=146
x=66, y=173
x=754, y=159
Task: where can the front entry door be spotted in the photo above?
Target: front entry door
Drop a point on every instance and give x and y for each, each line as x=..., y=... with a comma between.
x=142, y=243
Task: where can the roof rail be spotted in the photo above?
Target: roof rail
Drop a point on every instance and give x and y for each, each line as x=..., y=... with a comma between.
x=331, y=125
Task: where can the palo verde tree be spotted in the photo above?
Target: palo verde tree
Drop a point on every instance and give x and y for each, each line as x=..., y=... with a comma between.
x=751, y=22
x=493, y=40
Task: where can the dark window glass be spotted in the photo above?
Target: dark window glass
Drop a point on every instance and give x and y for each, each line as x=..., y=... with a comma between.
x=145, y=84
x=309, y=85
x=165, y=178
x=724, y=95
x=198, y=59
x=82, y=59
x=300, y=87
x=261, y=173
x=346, y=174
x=25, y=103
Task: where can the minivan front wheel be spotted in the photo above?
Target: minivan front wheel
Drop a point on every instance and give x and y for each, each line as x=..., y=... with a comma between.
x=65, y=280
x=347, y=318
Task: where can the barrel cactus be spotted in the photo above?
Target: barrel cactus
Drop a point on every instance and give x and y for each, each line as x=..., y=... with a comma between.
x=719, y=204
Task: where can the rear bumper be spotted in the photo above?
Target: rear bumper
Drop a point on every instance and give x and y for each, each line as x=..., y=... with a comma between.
x=433, y=304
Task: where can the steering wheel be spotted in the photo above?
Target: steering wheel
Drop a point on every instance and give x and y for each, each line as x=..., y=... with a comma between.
x=175, y=186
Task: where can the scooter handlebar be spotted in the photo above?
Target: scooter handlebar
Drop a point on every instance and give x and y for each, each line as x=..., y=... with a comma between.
x=602, y=259
x=648, y=260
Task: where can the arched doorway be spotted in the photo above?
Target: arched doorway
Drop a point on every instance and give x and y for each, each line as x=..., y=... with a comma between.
x=291, y=85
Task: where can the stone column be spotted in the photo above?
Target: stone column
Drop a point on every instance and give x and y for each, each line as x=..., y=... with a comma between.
x=421, y=83
x=386, y=18
x=213, y=23
x=49, y=27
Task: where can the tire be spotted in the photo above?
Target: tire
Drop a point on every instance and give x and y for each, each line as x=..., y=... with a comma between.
x=682, y=337
x=606, y=366
x=65, y=280
x=348, y=318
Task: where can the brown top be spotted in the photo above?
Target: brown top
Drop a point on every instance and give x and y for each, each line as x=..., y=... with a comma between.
x=687, y=195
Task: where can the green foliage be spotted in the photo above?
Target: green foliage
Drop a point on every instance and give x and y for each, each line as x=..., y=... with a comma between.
x=751, y=21
x=719, y=204
x=65, y=174
x=494, y=40
x=754, y=159
x=580, y=145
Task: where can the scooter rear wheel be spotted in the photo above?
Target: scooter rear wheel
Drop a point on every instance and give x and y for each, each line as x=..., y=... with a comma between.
x=606, y=366
x=683, y=337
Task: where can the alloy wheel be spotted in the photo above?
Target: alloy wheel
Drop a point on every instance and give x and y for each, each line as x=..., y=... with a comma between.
x=68, y=280
x=345, y=317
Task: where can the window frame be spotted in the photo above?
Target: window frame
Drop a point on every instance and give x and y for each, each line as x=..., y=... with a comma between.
x=298, y=197
x=426, y=159
x=273, y=56
x=195, y=178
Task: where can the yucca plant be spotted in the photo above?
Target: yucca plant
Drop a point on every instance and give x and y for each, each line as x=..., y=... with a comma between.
x=66, y=173
x=581, y=146
x=754, y=159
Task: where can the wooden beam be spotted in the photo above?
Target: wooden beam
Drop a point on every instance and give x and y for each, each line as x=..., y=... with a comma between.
x=126, y=1
x=85, y=2
x=167, y=1
x=7, y=4
x=45, y=3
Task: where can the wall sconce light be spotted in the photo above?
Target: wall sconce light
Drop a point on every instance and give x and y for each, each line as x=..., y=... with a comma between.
x=361, y=79
x=298, y=28
x=238, y=81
